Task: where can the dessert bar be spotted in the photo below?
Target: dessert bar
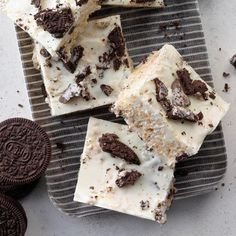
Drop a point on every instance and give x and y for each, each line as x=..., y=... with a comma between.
x=120, y=173
x=170, y=107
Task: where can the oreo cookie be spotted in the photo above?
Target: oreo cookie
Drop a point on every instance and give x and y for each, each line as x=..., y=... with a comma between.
x=25, y=153
x=13, y=220
x=19, y=192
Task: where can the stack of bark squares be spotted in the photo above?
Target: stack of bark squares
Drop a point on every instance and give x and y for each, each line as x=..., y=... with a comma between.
x=168, y=108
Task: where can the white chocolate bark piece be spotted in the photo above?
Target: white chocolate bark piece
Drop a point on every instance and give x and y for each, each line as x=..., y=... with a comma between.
x=170, y=116
x=144, y=189
x=100, y=72
x=55, y=30
x=135, y=3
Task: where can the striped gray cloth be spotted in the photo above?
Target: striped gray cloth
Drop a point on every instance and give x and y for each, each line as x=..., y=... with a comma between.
x=197, y=175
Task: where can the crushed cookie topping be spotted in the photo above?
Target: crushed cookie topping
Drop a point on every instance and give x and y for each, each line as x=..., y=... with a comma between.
x=72, y=62
x=80, y=77
x=72, y=91
x=106, y=89
x=144, y=205
x=191, y=87
x=127, y=178
x=173, y=109
x=117, y=41
x=55, y=21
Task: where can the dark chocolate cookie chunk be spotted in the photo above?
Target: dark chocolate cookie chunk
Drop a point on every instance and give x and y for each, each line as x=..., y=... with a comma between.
x=110, y=143
x=191, y=87
x=180, y=113
x=37, y=3
x=161, y=90
x=25, y=151
x=117, y=41
x=106, y=89
x=71, y=63
x=13, y=221
x=128, y=178
x=55, y=21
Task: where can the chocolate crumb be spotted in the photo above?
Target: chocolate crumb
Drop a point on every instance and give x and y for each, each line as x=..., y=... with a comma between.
x=182, y=157
x=45, y=53
x=20, y=105
x=44, y=92
x=81, y=2
x=106, y=89
x=56, y=21
x=94, y=81
x=144, y=205
x=117, y=41
x=226, y=88
x=183, y=133
x=160, y=168
x=80, y=77
x=158, y=216
x=212, y=95
x=191, y=87
x=225, y=74
x=211, y=125
x=128, y=178
x=71, y=63
x=200, y=116
x=117, y=64
x=91, y=187
x=161, y=90
x=36, y=3
x=109, y=143
x=233, y=61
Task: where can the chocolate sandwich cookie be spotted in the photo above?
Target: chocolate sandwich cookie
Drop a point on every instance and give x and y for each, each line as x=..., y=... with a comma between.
x=25, y=152
x=13, y=221
x=18, y=192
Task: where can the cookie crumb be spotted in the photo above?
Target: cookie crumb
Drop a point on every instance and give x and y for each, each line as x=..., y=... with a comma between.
x=20, y=105
x=225, y=74
x=226, y=88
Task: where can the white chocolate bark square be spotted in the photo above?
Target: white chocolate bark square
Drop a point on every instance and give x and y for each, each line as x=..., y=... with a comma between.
x=99, y=75
x=170, y=107
x=135, y=3
x=53, y=23
x=119, y=173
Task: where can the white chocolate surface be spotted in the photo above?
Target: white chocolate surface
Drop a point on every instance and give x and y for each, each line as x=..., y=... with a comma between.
x=138, y=105
x=25, y=11
x=95, y=43
x=98, y=173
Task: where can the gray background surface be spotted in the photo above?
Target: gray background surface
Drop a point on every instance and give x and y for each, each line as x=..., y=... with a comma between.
x=212, y=214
